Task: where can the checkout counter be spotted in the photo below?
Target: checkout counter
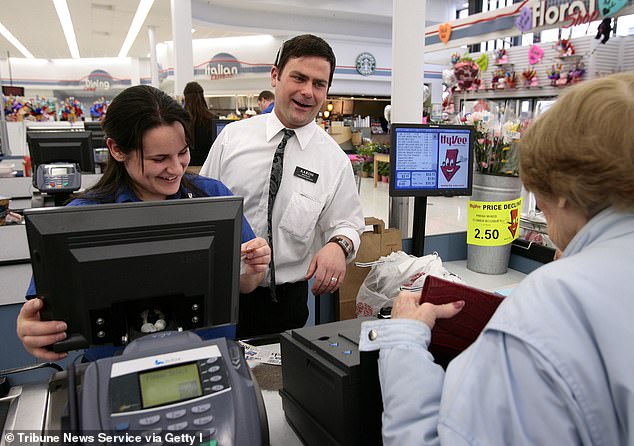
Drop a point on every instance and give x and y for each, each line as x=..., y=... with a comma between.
x=325, y=393
x=15, y=267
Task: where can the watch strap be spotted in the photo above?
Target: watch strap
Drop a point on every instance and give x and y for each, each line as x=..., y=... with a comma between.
x=344, y=244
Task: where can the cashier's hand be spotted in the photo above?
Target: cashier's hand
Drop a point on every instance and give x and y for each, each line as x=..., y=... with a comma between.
x=406, y=306
x=329, y=269
x=36, y=334
x=256, y=256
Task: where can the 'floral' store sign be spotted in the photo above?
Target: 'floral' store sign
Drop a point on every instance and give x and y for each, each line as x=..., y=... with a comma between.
x=573, y=13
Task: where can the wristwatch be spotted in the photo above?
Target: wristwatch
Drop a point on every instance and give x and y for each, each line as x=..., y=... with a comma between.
x=344, y=243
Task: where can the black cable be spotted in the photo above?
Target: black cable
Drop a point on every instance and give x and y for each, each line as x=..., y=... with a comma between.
x=72, y=400
x=28, y=368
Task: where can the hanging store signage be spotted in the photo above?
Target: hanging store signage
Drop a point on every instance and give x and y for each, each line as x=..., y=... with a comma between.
x=571, y=13
x=365, y=64
x=98, y=80
x=222, y=66
x=524, y=19
x=493, y=223
x=444, y=32
x=610, y=7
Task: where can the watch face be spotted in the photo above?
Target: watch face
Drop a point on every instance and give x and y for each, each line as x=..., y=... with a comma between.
x=366, y=63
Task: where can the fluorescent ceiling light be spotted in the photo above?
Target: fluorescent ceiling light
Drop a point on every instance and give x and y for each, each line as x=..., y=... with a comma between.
x=67, y=25
x=15, y=42
x=141, y=14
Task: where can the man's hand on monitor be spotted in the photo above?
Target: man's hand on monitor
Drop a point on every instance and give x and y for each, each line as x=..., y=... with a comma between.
x=36, y=334
x=329, y=268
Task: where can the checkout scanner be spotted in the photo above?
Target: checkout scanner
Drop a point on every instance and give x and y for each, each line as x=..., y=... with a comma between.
x=166, y=388
x=59, y=158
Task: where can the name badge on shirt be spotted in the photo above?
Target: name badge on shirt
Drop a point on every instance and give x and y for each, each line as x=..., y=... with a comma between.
x=306, y=174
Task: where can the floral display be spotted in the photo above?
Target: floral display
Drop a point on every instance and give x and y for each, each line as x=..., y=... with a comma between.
x=42, y=109
x=510, y=79
x=498, y=78
x=530, y=77
x=565, y=48
x=18, y=108
x=576, y=72
x=495, y=145
x=554, y=73
x=500, y=56
x=70, y=110
x=98, y=109
x=466, y=72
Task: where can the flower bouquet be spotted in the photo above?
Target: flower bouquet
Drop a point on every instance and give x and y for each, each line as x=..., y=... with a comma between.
x=495, y=147
x=98, y=109
x=70, y=110
x=42, y=109
x=501, y=57
x=576, y=72
x=554, y=74
x=530, y=78
x=14, y=108
x=466, y=72
x=510, y=79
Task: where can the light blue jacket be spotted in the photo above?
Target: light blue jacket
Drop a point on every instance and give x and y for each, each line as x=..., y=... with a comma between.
x=554, y=366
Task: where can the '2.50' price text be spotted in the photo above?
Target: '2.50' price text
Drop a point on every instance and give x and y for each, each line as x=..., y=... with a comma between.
x=488, y=234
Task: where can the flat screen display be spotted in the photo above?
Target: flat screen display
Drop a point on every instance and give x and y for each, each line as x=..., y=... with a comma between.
x=10, y=90
x=181, y=257
x=46, y=147
x=169, y=385
x=218, y=125
x=429, y=159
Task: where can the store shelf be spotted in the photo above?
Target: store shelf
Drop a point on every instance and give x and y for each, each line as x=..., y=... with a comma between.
x=533, y=92
x=573, y=58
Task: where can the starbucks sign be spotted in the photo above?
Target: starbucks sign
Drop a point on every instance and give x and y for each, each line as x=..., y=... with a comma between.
x=365, y=63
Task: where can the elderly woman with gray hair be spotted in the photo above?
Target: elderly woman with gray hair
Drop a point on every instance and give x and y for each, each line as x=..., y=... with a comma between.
x=554, y=364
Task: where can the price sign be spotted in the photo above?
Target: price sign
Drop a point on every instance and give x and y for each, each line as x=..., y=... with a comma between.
x=494, y=223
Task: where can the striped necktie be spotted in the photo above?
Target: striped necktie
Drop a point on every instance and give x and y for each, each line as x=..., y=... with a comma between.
x=274, y=186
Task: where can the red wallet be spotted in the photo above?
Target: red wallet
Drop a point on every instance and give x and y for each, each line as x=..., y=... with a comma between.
x=451, y=336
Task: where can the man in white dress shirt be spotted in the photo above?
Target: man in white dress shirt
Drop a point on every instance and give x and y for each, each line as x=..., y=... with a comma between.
x=316, y=217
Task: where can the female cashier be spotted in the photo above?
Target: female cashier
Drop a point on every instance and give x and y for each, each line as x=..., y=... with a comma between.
x=148, y=135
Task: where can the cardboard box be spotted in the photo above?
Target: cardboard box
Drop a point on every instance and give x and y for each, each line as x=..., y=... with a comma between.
x=374, y=244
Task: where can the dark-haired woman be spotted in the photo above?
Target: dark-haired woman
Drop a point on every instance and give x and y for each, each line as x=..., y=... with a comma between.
x=148, y=139
x=201, y=117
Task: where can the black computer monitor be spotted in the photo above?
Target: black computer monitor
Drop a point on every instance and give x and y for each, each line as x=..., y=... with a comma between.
x=10, y=90
x=99, y=267
x=98, y=135
x=430, y=160
x=217, y=125
x=61, y=146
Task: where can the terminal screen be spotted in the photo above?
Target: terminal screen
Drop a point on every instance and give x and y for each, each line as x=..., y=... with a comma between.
x=170, y=385
x=430, y=160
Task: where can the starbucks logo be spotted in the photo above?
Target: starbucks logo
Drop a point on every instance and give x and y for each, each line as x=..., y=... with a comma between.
x=366, y=63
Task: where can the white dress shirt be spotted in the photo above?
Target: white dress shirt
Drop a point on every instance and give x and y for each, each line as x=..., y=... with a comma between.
x=306, y=214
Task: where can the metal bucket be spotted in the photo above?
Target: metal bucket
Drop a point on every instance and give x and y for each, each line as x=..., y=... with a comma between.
x=492, y=188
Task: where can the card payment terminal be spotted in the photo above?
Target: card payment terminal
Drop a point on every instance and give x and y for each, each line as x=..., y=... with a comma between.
x=57, y=178
x=170, y=386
